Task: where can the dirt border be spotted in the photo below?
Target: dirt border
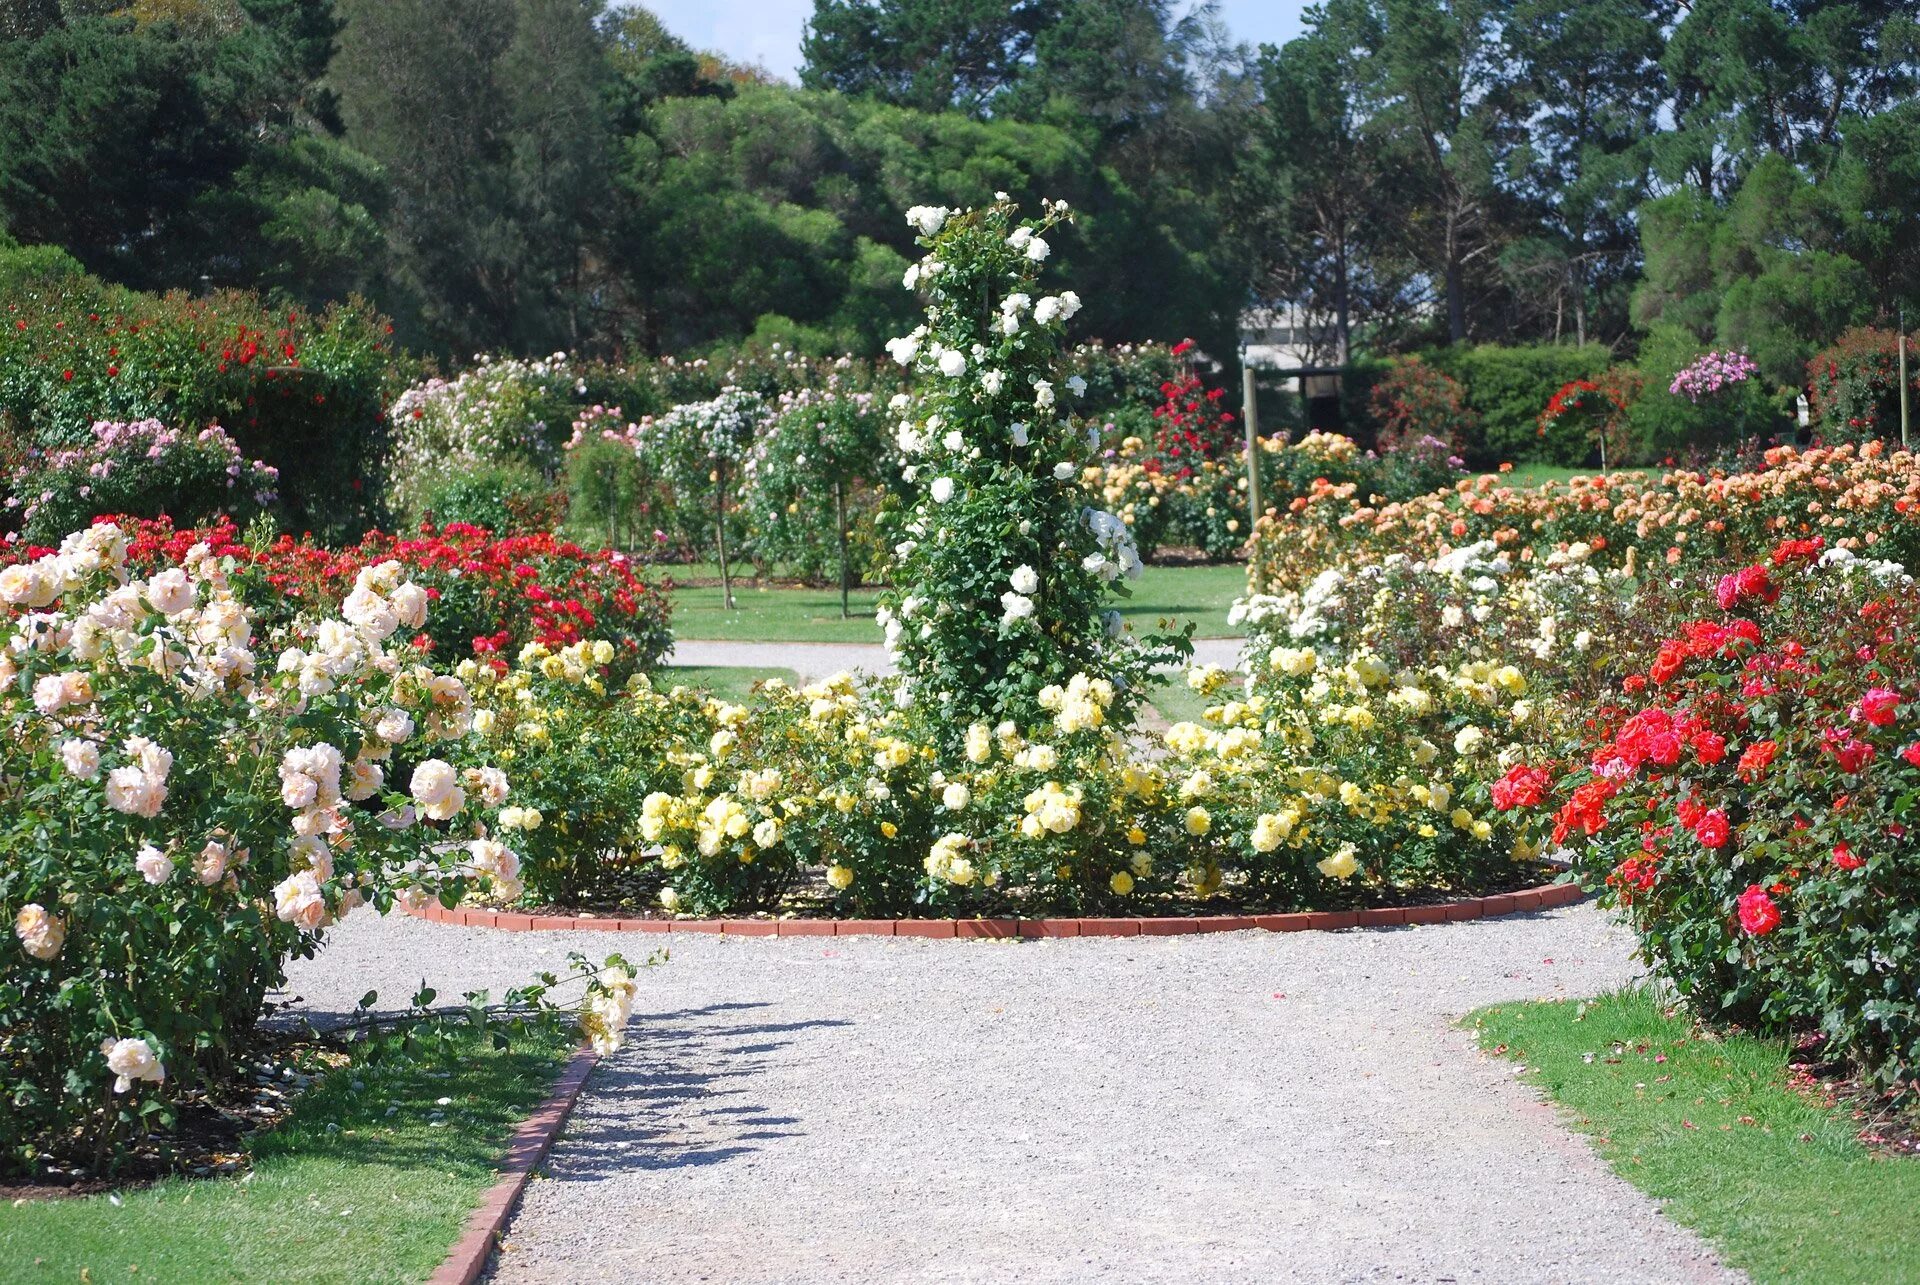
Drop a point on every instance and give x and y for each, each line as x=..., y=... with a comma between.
x=1544, y=897
x=467, y=1261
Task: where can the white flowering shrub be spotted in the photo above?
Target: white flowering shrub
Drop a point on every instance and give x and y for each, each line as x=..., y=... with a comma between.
x=181, y=812
x=1004, y=567
x=501, y=409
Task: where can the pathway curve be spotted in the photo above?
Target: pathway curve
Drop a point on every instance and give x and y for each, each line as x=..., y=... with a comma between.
x=819, y=660
x=1234, y=1107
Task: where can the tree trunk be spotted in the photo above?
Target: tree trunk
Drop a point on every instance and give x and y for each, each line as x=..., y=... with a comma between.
x=846, y=566
x=720, y=530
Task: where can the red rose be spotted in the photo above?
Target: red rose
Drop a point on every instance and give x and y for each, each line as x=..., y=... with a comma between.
x=1709, y=747
x=1758, y=915
x=1761, y=753
x=1713, y=830
x=1844, y=858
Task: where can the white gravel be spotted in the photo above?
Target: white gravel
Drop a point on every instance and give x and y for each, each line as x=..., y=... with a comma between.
x=1237, y=1107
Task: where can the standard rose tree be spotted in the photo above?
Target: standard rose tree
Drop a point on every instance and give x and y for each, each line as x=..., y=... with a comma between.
x=1005, y=565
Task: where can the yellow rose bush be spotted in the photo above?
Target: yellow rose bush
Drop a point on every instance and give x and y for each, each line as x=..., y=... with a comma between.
x=186, y=802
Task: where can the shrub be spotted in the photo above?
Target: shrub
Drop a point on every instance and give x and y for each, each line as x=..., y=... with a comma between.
x=1189, y=424
x=1854, y=386
x=503, y=411
x=1668, y=423
x=507, y=497
x=1747, y=804
x=145, y=470
x=1414, y=400
x=303, y=392
x=813, y=483
x=1505, y=387
x=180, y=817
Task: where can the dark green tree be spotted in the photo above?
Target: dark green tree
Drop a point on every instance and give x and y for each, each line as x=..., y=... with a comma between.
x=928, y=54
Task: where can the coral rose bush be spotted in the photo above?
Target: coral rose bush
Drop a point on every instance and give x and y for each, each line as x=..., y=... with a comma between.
x=1747, y=803
x=186, y=801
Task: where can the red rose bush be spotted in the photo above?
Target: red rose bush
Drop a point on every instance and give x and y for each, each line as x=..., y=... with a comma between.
x=1748, y=801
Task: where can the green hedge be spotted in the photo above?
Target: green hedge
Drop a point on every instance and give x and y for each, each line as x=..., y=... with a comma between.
x=1509, y=387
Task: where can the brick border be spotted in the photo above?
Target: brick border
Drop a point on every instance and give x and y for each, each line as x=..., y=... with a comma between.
x=467, y=1260
x=1546, y=896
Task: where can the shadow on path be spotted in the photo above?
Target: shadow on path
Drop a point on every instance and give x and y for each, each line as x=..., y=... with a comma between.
x=671, y=1099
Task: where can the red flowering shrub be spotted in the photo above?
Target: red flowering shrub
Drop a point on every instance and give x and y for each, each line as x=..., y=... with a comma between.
x=491, y=595
x=1747, y=807
x=305, y=392
x=1189, y=425
x=1854, y=386
x=1414, y=400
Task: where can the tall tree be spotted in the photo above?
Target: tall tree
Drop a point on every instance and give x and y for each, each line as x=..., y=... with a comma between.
x=488, y=116
x=1588, y=83
x=1433, y=85
x=927, y=54
x=1315, y=196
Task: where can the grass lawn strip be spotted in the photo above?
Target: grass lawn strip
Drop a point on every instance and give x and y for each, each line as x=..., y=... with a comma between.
x=1201, y=594
x=1710, y=1127
x=728, y=682
x=359, y=1184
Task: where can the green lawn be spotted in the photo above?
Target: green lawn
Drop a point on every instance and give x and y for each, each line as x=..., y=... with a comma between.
x=1199, y=594
x=381, y=1199
x=1540, y=474
x=728, y=682
x=1709, y=1127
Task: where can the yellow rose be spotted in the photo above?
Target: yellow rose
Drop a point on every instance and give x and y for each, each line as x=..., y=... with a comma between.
x=1121, y=883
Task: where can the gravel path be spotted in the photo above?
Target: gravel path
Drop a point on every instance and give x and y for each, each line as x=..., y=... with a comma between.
x=819, y=660
x=1237, y=1107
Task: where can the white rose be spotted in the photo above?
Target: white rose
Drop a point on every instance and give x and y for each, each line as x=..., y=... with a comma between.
x=1063, y=470
x=433, y=782
x=410, y=603
x=1020, y=435
x=956, y=797
x=131, y=1060
x=1024, y=579
x=81, y=758
x=941, y=490
x=155, y=866
x=1038, y=249
x=171, y=592
x=394, y=727
x=953, y=364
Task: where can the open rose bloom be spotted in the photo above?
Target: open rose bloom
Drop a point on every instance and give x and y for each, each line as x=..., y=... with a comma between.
x=192, y=793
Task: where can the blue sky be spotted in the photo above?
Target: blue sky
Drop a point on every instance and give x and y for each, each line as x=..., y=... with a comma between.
x=768, y=31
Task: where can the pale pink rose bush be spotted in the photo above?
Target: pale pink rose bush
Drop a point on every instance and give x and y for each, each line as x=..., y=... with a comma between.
x=185, y=805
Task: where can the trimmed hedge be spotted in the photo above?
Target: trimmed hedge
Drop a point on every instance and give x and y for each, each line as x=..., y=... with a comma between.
x=1508, y=387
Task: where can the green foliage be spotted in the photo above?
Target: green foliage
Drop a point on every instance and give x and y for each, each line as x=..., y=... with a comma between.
x=1507, y=388
x=167, y=152
x=508, y=497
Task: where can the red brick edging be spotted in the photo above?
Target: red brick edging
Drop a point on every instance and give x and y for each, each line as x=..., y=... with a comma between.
x=531, y=1141
x=1545, y=897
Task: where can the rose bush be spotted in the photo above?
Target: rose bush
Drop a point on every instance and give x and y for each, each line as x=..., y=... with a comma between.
x=1748, y=799
x=189, y=799
x=491, y=595
x=143, y=469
